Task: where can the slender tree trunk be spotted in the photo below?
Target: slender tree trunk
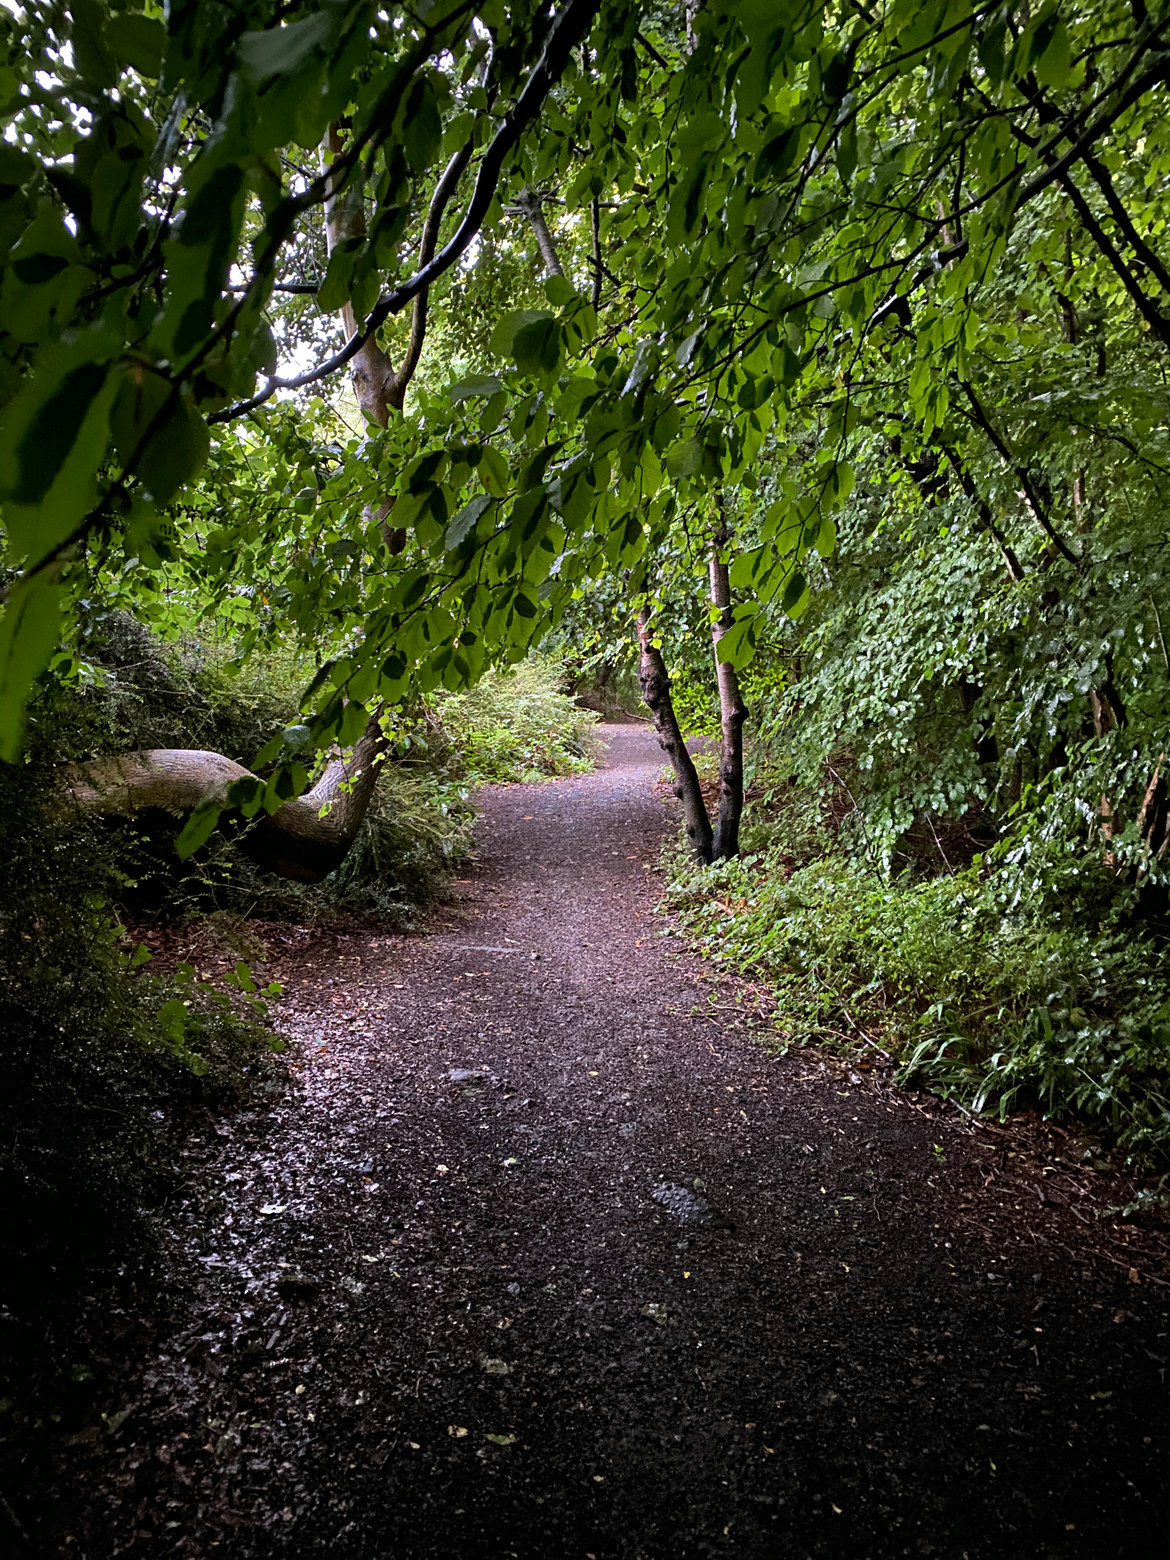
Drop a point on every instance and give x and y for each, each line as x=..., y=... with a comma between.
x=1108, y=713
x=655, y=683
x=371, y=371
x=732, y=710
x=529, y=204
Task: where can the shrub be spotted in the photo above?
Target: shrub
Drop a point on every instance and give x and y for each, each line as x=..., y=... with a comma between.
x=994, y=984
x=519, y=724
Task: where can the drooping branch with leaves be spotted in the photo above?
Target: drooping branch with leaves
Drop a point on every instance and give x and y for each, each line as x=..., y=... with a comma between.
x=781, y=238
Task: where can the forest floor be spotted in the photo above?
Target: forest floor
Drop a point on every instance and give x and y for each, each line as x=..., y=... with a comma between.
x=423, y=1303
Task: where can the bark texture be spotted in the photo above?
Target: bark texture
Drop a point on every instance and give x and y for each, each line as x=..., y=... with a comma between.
x=732, y=712
x=371, y=371
x=655, y=684
x=379, y=386
x=303, y=840
x=529, y=204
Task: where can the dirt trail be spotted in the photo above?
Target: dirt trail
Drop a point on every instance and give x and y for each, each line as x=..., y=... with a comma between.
x=426, y=1306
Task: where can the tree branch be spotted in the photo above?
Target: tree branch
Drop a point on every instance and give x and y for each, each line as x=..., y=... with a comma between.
x=426, y=249
x=1035, y=503
x=567, y=28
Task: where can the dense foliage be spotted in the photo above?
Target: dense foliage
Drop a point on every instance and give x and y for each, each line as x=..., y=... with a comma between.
x=870, y=300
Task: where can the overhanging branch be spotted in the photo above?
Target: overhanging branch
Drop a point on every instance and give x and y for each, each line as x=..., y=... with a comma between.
x=567, y=29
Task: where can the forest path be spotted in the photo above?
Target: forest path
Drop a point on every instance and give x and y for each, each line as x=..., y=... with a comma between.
x=425, y=1305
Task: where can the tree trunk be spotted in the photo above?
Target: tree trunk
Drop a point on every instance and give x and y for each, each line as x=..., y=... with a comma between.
x=1108, y=713
x=732, y=711
x=530, y=205
x=303, y=840
x=655, y=684
x=371, y=371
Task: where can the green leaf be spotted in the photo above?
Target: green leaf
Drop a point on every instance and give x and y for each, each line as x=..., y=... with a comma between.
x=172, y=1019
x=684, y=460
x=493, y=413
x=171, y=447
x=198, y=828
x=475, y=386
x=138, y=40
x=835, y=75
x=280, y=51
x=92, y=54
x=795, y=592
x=559, y=291
x=29, y=631
x=537, y=346
x=53, y=436
x=46, y=436
x=1055, y=61
x=334, y=290
x=422, y=128
x=464, y=523
x=493, y=472
x=506, y=331
x=778, y=154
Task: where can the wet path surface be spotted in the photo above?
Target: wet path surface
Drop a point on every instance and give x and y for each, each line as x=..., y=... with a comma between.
x=428, y=1304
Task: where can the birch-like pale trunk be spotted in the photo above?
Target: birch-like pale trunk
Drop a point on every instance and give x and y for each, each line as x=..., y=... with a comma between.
x=304, y=840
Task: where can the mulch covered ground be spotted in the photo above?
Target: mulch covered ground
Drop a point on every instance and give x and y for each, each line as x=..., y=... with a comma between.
x=426, y=1303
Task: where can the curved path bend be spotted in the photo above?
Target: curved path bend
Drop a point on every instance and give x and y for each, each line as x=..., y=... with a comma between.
x=425, y=1306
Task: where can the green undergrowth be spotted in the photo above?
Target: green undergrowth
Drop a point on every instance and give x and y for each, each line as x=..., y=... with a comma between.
x=129, y=690
x=100, y=1056
x=519, y=725
x=1024, y=979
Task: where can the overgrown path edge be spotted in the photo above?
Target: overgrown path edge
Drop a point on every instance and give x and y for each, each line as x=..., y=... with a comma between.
x=426, y=1305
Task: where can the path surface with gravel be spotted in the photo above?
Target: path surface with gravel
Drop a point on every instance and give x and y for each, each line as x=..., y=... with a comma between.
x=544, y=1257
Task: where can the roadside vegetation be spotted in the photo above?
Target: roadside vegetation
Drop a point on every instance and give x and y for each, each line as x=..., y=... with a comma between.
x=105, y=1059
x=801, y=368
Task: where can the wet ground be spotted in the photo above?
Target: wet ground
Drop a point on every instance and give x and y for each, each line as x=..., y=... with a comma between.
x=545, y=1258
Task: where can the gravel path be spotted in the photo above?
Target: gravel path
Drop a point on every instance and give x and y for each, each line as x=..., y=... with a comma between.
x=427, y=1304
